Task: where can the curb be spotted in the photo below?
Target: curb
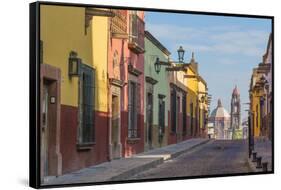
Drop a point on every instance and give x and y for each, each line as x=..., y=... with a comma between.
x=153, y=163
x=189, y=149
x=136, y=170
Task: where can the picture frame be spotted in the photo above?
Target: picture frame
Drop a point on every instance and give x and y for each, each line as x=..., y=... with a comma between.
x=121, y=80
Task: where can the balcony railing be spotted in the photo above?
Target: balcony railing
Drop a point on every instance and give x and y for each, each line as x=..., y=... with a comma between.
x=119, y=24
x=136, y=35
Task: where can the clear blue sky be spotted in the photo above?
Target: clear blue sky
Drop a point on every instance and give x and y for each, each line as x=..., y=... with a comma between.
x=226, y=48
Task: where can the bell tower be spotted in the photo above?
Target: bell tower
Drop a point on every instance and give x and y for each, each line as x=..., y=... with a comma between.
x=235, y=109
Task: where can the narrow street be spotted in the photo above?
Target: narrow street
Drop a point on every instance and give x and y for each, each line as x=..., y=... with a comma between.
x=215, y=157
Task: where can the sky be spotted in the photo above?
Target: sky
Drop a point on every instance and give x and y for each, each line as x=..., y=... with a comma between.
x=226, y=48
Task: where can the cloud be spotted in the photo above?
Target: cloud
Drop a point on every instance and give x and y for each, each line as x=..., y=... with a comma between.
x=216, y=39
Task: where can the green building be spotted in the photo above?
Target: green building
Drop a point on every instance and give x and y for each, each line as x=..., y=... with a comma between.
x=157, y=98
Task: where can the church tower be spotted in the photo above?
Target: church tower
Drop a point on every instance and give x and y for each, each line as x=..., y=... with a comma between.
x=235, y=110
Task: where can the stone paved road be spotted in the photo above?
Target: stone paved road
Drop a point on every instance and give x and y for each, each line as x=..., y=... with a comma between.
x=216, y=157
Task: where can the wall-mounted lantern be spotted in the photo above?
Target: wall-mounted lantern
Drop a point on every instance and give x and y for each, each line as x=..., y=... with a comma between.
x=158, y=63
x=73, y=64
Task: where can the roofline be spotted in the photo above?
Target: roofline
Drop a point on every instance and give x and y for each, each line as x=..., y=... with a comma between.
x=202, y=80
x=150, y=37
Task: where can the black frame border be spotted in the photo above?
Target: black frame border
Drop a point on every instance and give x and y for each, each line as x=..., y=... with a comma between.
x=34, y=92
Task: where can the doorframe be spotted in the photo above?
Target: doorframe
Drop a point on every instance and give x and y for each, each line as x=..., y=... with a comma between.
x=149, y=124
x=115, y=90
x=149, y=89
x=52, y=75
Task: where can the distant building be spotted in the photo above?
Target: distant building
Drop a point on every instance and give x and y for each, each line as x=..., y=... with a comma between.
x=245, y=128
x=235, y=113
x=211, y=130
x=221, y=121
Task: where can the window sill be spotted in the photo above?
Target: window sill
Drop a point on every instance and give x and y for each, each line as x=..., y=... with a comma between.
x=85, y=146
x=132, y=140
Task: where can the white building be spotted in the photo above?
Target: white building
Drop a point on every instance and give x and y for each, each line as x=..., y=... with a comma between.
x=221, y=122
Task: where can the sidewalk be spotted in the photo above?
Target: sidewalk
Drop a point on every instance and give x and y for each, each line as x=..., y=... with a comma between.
x=264, y=149
x=121, y=169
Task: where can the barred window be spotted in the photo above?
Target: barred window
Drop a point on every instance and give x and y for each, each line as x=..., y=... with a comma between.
x=191, y=118
x=133, y=109
x=174, y=111
x=161, y=116
x=86, y=105
x=184, y=114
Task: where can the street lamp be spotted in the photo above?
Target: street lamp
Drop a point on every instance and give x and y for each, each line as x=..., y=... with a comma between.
x=158, y=63
x=181, y=54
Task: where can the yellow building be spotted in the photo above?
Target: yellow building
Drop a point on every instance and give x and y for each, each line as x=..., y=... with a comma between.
x=197, y=104
x=203, y=106
x=73, y=87
x=257, y=103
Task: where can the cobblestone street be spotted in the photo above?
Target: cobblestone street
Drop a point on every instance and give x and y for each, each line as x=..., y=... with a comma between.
x=215, y=157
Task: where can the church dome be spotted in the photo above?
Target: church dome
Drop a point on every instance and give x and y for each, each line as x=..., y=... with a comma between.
x=219, y=111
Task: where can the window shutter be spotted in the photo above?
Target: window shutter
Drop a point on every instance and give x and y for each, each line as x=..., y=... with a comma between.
x=138, y=108
x=93, y=104
x=161, y=115
x=184, y=114
x=86, y=104
x=174, y=110
x=129, y=108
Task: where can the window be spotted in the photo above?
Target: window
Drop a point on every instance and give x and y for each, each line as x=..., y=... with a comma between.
x=86, y=105
x=161, y=118
x=133, y=109
x=191, y=118
x=173, y=111
x=184, y=114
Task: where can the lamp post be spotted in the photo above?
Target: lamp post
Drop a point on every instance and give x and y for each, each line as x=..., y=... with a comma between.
x=181, y=54
x=158, y=62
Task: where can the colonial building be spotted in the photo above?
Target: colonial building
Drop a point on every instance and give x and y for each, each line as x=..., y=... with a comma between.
x=197, y=100
x=73, y=88
x=260, y=94
x=221, y=122
x=193, y=101
x=134, y=102
x=103, y=97
x=126, y=83
x=157, y=96
x=235, y=113
x=178, y=124
x=203, y=106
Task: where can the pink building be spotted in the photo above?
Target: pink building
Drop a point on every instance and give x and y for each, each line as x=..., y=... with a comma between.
x=126, y=82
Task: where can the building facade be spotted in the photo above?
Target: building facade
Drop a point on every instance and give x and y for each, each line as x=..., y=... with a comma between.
x=126, y=81
x=220, y=120
x=203, y=107
x=260, y=94
x=74, y=104
x=157, y=96
x=178, y=126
